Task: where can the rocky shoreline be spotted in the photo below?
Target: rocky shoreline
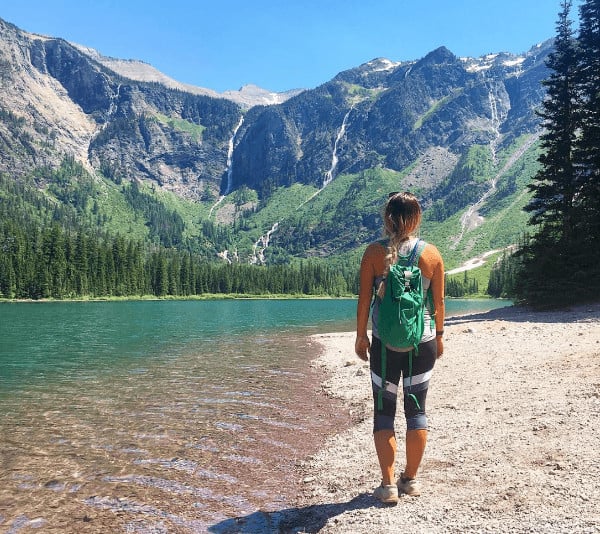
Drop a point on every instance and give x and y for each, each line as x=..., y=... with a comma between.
x=514, y=414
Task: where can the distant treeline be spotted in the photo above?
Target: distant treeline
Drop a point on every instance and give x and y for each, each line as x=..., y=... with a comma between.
x=56, y=263
x=461, y=286
x=48, y=251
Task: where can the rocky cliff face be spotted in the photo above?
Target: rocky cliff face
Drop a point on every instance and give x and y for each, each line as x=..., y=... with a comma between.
x=422, y=121
x=39, y=119
x=66, y=99
x=57, y=100
x=391, y=114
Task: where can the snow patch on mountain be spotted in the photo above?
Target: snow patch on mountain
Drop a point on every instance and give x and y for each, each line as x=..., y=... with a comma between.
x=492, y=60
x=382, y=64
x=133, y=69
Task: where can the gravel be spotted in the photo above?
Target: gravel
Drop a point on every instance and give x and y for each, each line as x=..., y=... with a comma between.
x=514, y=442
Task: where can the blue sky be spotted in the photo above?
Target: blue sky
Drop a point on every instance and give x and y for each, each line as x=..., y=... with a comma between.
x=284, y=44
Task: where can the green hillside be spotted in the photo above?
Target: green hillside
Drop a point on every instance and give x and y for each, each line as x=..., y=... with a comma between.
x=330, y=225
x=174, y=185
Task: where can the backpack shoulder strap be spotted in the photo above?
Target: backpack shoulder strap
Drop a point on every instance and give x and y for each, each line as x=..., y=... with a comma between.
x=417, y=250
x=422, y=244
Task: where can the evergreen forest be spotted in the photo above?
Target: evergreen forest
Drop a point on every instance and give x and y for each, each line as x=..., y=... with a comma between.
x=558, y=261
x=67, y=234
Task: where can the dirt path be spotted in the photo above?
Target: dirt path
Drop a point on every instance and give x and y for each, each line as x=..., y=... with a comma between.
x=475, y=262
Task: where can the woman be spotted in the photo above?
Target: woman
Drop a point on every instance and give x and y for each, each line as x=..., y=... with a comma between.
x=402, y=217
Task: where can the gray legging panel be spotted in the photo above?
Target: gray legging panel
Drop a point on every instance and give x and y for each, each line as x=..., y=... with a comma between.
x=415, y=377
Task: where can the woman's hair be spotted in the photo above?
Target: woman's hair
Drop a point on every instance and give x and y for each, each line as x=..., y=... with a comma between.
x=401, y=217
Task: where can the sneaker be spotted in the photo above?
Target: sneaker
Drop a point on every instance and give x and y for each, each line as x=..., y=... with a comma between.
x=387, y=494
x=409, y=486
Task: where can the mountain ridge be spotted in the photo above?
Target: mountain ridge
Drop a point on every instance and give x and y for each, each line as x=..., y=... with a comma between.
x=440, y=125
x=247, y=96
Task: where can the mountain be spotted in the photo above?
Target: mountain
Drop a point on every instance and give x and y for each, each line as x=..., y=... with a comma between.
x=392, y=114
x=264, y=177
x=247, y=96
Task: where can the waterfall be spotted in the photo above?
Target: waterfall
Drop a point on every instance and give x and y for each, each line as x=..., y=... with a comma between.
x=334, y=157
x=230, y=157
x=494, y=109
x=113, y=106
x=495, y=117
x=258, y=256
x=471, y=218
x=115, y=98
x=228, y=167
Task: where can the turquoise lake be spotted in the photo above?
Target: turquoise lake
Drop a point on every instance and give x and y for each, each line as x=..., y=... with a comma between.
x=125, y=416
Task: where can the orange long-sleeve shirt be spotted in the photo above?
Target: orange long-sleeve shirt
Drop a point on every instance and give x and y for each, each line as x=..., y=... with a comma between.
x=373, y=266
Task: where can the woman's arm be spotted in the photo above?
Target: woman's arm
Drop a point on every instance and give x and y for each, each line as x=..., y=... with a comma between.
x=432, y=266
x=437, y=288
x=370, y=266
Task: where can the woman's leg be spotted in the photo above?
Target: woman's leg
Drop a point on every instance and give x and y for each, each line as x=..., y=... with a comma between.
x=416, y=440
x=383, y=421
x=416, y=375
x=385, y=445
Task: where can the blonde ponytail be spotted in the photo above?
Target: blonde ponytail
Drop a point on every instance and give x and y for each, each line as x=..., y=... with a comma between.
x=401, y=217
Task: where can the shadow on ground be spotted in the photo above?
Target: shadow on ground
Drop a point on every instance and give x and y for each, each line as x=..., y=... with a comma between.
x=582, y=312
x=307, y=519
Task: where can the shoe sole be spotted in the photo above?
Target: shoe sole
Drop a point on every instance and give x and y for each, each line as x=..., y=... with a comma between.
x=410, y=494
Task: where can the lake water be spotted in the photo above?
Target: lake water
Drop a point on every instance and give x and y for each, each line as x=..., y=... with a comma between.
x=161, y=416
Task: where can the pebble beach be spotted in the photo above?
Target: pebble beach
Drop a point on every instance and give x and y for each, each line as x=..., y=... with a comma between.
x=514, y=441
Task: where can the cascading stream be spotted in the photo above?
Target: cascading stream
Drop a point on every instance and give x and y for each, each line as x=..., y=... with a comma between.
x=229, y=167
x=258, y=254
x=471, y=218
x=334, y=157
x=466, y=220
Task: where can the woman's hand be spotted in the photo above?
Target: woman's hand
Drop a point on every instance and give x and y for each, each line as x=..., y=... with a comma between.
x=362, y=347
x=440, y=346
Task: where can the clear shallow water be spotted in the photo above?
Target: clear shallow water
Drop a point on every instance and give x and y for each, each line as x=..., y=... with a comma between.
x=137, y=416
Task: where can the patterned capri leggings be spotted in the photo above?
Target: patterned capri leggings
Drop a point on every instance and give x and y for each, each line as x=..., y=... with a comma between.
x=414, y=386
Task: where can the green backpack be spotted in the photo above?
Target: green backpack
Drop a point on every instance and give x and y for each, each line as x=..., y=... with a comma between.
x=401, y=318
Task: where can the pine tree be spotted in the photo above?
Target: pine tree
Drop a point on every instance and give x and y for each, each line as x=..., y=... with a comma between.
x=554, y=187
x=588, y=144
x=547, y=257
x=81, y=265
